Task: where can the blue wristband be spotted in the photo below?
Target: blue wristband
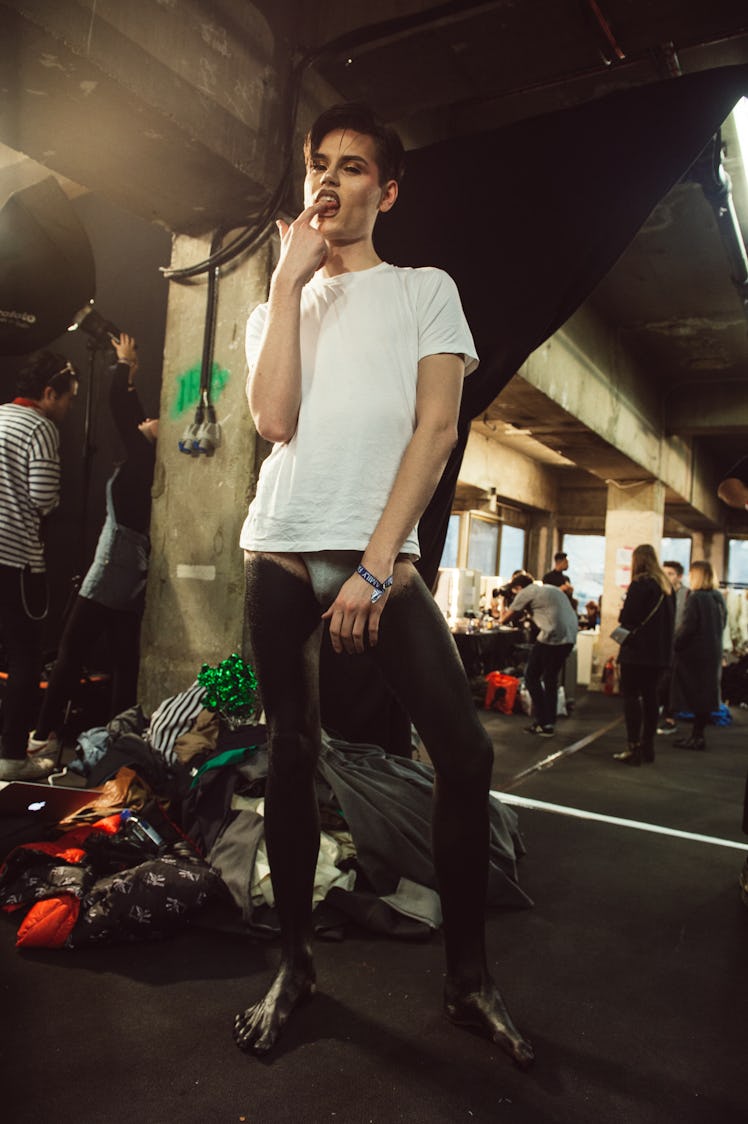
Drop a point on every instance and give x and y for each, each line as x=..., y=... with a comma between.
x=380, y=588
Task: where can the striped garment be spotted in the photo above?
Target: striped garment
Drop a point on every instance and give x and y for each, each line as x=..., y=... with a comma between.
x=29, y=483
x=174, y=717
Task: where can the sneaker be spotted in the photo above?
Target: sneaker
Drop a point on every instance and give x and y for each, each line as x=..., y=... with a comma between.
x=667, y=728
x=535, y=728
x=26, y=769
x=546, y=731
x=43, y=747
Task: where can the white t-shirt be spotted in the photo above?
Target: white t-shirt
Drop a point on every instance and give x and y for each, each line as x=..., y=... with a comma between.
x=362, y=335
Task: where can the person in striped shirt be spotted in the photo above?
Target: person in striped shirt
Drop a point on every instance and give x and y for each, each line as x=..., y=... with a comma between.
x=29, y=490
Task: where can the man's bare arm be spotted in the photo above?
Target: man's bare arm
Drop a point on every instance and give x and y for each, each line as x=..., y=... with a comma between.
x=274, y=383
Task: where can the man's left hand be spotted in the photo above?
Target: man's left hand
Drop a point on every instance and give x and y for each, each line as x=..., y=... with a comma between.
x=353, y=616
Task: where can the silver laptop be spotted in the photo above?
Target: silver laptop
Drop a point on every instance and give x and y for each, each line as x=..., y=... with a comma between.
x=47, y=803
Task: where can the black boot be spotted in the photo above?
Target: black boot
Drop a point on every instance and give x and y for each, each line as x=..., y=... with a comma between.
x=694, y=741
x=648, y=754
x=630, y=756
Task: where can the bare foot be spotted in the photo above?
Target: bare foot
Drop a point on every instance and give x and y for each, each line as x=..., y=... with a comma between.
x=486, y=1012
x=257, y=1029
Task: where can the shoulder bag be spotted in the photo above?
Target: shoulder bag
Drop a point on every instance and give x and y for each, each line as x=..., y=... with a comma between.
x=619, y=634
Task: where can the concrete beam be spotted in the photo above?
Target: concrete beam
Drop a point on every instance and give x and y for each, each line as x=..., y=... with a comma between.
x=172, y=111
x=708, y=408
x=488, y=464
x=585, y=370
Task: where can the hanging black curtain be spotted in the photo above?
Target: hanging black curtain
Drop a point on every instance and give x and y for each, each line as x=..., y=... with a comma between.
x=527, y=219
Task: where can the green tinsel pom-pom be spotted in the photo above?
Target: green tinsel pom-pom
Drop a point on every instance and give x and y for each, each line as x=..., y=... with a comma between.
x=230, y=689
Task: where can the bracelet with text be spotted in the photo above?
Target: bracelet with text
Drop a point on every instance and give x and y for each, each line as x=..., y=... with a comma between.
x=380, y=588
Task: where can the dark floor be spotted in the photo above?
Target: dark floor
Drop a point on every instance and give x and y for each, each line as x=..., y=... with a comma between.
x=628, y=975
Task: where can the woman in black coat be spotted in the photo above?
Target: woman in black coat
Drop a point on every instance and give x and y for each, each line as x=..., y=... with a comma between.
x=648, y=612
x=697, y=664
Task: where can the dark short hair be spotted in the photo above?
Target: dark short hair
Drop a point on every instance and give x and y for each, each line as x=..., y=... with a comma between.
x=674, y=566
x=522, y=580
x=43, y=369
x=360, y=118
x=561, y=556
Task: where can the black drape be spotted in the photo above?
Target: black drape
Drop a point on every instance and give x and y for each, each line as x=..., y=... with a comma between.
x=527, y=219
x=530, y=217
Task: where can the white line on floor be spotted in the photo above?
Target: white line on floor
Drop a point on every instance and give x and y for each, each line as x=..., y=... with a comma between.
x=579, y=813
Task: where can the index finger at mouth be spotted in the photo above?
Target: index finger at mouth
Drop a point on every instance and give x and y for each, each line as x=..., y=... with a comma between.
x=313, y=209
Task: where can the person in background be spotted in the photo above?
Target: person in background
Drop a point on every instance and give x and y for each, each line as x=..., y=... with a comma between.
x=29, y=490
x=667, y=724
x=557, y=575
x=494, y=606
x=557, y=622
x=111, y=598
x=697, y=665
x=592, y=615
x=649, y=613
x=733, y=491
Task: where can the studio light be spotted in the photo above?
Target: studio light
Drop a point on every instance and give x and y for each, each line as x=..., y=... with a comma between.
x=89, y=320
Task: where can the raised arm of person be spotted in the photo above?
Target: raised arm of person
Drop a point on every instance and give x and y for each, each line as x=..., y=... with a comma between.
x=124, y=403
x=352, y=614
x=274, y=382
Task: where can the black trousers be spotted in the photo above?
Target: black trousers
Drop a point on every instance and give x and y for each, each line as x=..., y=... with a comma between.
x=23, y=603
x=541, y=676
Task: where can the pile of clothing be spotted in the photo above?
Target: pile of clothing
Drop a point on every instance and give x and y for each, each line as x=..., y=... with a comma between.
x=201, y=786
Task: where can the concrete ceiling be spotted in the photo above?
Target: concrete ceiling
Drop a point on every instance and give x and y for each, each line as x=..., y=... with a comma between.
x=191, y=95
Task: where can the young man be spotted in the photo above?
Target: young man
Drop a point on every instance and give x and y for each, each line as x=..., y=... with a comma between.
x=29, y=490
x=551, y=611
x=356, y=372
x=557, y=576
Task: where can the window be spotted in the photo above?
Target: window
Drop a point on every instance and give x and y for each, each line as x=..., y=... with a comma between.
x=586, y=567
x=483, y=542
x=512, y=554
x=737, y=561
x=480, y=540
x=451, y=543
x=677, y=550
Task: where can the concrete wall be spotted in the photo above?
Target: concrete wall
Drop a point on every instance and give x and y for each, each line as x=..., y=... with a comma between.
x=194, y=608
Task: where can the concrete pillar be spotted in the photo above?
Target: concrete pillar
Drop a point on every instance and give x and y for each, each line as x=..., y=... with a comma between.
x=710, y=546
x=634, y=515
x=194, y=605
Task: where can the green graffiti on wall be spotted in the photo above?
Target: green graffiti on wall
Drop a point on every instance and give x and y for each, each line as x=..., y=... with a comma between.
x=188, y=389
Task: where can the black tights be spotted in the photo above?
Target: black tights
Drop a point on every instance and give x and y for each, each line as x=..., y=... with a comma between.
x=419, y=661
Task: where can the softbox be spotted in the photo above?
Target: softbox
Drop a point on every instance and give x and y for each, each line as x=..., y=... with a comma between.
x=46, y=267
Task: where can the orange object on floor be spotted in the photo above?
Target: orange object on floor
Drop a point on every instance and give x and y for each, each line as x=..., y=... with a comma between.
x=501, y=691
